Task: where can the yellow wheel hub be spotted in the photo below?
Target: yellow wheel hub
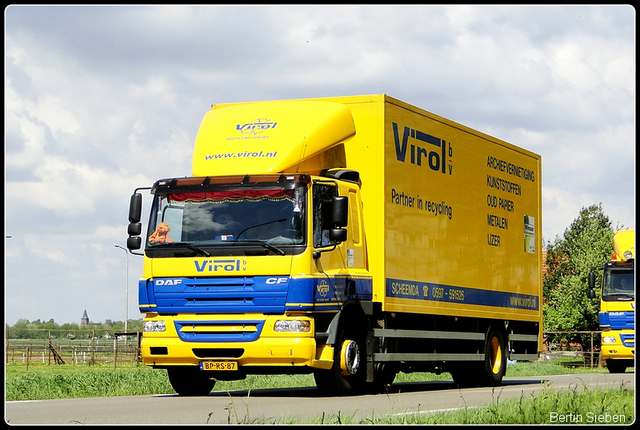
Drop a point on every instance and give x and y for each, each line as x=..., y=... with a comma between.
x=349, y=357
x=496, y=355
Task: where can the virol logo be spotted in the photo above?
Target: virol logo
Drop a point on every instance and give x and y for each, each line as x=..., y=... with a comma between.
x=221, y=265
x=323, y=288
x=256, y=126
x=424, y=150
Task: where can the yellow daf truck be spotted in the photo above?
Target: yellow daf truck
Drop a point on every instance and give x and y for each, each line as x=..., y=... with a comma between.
x=617, y=304
x=348, y=237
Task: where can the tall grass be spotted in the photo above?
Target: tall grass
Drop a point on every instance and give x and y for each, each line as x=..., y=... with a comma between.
x=63, y=382
x=576, y=406
x=43, y=382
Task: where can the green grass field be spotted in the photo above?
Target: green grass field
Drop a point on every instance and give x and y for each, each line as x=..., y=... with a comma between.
x=42, y=382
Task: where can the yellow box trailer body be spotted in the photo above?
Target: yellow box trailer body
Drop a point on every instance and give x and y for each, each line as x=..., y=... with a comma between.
x=417, y=248
x=455, y=227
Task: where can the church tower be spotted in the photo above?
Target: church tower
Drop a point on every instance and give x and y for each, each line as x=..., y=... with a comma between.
x=85, y=319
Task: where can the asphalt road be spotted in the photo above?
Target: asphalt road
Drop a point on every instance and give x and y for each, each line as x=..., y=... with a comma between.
x=271, y=405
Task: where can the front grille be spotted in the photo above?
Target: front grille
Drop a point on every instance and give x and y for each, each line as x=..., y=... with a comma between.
x=628, y=340
x=219, y=331
x=621, y=320
x=220, y=295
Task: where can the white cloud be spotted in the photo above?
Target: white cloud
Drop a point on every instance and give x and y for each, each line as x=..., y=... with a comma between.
x=100, y=100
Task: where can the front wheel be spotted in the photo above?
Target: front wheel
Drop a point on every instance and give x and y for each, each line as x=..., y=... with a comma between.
x=348, y=373
x=616, y=366
x=190, y=381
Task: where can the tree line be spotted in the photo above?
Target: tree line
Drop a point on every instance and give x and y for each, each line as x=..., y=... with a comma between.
x=25, y=329
x=585, y=245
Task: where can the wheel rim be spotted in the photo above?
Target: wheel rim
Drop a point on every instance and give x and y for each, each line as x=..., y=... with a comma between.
x=496, y=355
x=349, y=357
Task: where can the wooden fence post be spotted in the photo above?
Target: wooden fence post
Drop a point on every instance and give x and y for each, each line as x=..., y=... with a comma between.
x=91, y=360
x=115, y=351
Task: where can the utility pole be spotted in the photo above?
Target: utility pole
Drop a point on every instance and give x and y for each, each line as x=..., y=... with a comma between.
x=126, y=291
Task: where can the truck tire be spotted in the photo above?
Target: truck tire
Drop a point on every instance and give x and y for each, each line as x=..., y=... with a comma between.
x=495, y=358
x=348, y=372
x=190, y=381
x=616, y=366
x=383, y=376
x=489, y=372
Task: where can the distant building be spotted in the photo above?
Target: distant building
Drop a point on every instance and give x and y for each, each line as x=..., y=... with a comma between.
x=85, y=319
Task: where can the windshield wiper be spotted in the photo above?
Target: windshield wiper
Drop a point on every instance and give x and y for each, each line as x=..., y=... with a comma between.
x=196, y=249
x=262, y=243
x=191, y=246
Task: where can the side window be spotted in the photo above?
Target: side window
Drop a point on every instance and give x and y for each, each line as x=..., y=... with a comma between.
x=171, y=214
x=322, y=195
x=354, y=214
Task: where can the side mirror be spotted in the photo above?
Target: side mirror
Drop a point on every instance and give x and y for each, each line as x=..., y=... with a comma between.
x=134, y=243
x=340, y=211
x=135, y=208
x=591, y=294
x=338, y=235
x=134, y=229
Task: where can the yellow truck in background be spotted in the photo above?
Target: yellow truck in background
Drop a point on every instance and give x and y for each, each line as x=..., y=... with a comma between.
x=617, y=304
x=348, y=237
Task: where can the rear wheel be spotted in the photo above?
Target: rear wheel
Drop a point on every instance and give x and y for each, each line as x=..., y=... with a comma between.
x=495, y=359
x=190, y=381
x=383, y=376
x=489, y=372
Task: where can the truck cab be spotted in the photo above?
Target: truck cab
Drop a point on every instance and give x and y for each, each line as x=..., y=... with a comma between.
x=250, y=274
x=617, y=304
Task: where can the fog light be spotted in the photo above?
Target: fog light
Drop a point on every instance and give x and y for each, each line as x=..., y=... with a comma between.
x=609, y=339
x=154, y=327
x=292, y=326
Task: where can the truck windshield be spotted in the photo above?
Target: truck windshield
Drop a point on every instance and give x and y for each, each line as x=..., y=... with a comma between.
x=271, y=218
x=618, y=285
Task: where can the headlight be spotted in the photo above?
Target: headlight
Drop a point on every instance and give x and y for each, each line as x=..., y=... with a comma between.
x=292, y=326
x=609, y=339
x=628, y=255
x=154, y=327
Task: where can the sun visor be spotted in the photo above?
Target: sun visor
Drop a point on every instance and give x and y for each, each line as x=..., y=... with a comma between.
x=272, y=137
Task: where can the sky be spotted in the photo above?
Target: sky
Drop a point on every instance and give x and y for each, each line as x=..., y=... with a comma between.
x=100, y=100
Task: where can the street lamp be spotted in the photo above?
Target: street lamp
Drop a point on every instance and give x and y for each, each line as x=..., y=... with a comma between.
x=126, y=291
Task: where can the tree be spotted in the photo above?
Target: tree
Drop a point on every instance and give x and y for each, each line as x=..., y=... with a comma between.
x=586, y=244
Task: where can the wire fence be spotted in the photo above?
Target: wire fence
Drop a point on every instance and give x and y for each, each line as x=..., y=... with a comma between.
x=60, y=347
x=573, y=348
x=57, y=347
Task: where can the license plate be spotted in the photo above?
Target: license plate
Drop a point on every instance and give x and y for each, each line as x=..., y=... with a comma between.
x=218, y=365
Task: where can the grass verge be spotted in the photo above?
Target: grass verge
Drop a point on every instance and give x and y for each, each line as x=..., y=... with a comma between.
x=576, y=406
x=42, y=382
